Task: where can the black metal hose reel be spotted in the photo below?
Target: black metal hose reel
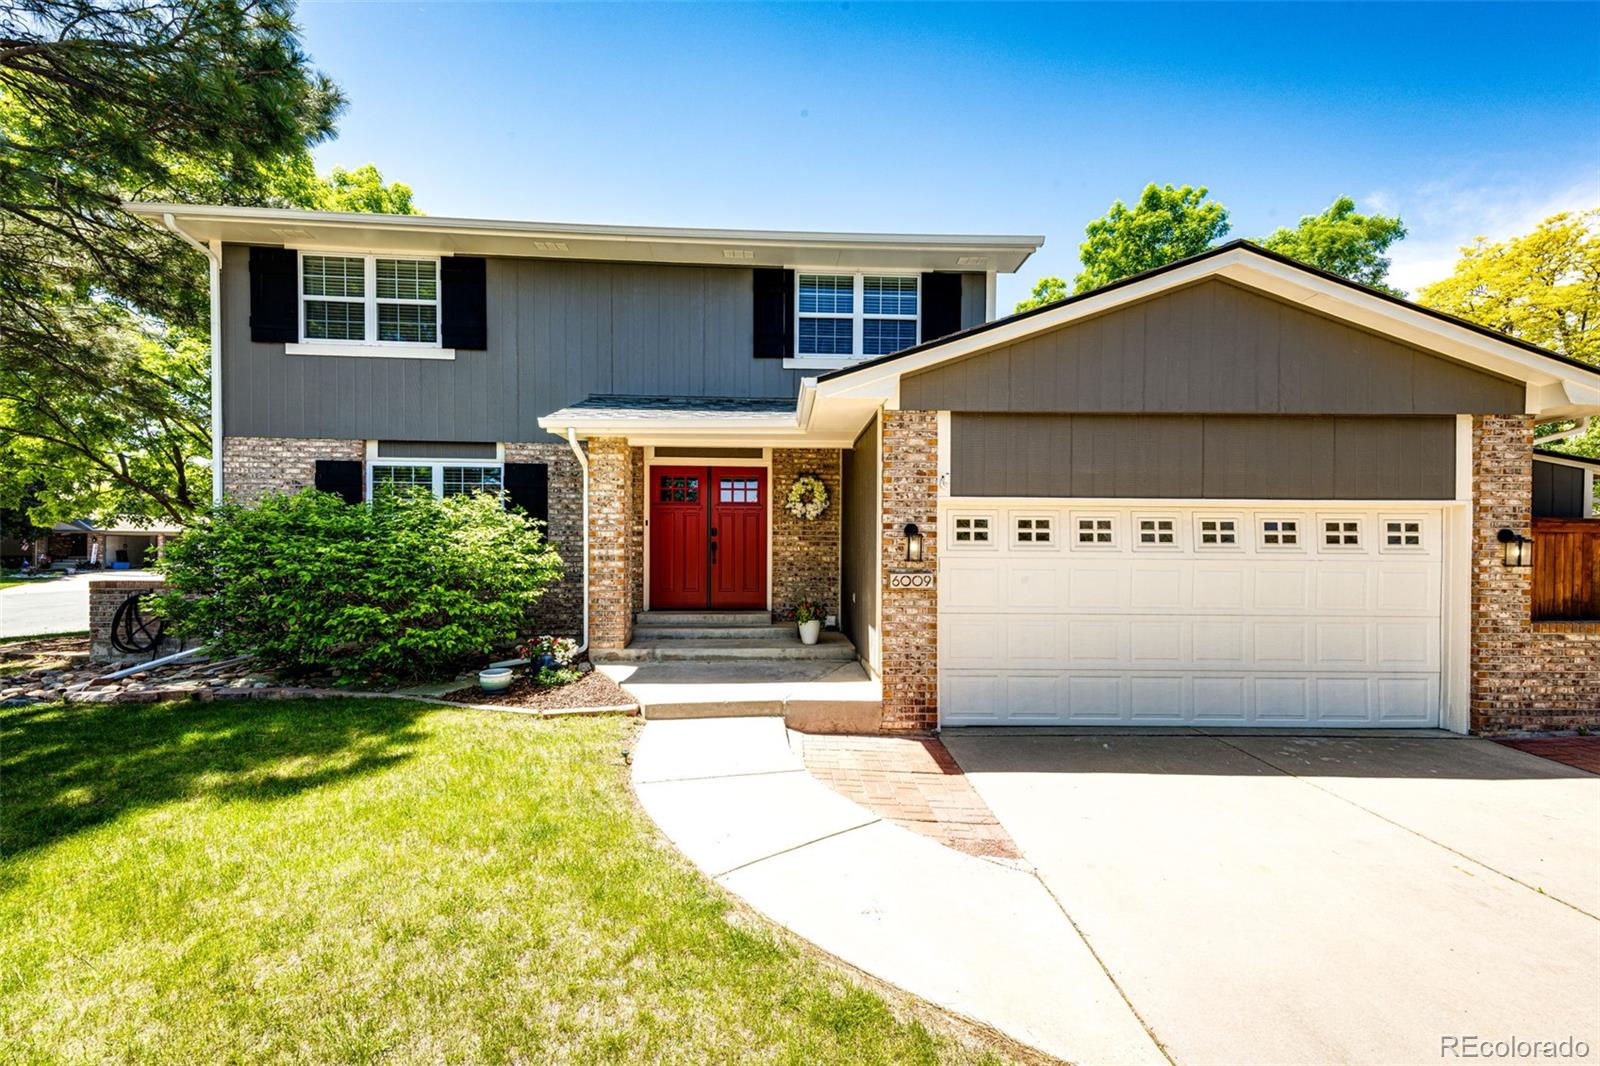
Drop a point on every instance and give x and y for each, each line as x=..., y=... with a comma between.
x=131, y=632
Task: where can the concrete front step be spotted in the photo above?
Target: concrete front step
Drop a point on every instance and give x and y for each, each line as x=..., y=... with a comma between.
x=809, y=694
x=833, y=647
x=703, y=618
x=687, y=632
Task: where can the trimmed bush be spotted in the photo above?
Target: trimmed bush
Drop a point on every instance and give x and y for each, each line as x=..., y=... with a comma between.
x=405, y=588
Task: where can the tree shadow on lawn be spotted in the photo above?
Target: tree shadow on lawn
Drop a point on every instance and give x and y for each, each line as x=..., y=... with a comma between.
x=66, y=768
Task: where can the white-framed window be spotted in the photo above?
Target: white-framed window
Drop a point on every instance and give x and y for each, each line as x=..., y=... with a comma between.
x=1094, y=531
x=1339, y=533
x=1401, y=533
x=1033, y=531
x=1155, y=531
x=371, y=300
x=1216, y=532
x=1280, y=532
x=855, y=316
x=972, y=530
x=447, y=478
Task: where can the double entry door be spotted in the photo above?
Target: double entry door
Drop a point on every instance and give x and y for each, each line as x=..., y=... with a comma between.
x=708, y=537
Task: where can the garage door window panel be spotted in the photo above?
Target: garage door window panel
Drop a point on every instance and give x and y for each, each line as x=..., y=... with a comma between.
x=1094, y=532
x=1280, y=533
x=1214, y=533
x=1033, y=531
x=1402, y=534
x=1155, y=532
x=1340, y=533
x=972, y=530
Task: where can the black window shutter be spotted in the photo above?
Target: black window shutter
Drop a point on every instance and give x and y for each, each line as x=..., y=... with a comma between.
x=274, y=310
x=941, y=305
x=773, y=313
x=466, y=303
x=342, y=477
x=528, y=486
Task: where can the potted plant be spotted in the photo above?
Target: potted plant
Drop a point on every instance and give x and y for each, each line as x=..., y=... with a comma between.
x=809, y=614
x=495, y=679
x=547, y=652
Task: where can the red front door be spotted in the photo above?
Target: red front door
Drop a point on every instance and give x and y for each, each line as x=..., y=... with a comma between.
x=708, y=538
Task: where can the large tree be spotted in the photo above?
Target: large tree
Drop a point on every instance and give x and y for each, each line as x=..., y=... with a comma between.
x=1343, y=242
x=1164, y=224
x=102, y=372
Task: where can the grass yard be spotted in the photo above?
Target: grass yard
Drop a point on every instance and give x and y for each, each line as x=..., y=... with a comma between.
x=372, y=880
x=8, y=578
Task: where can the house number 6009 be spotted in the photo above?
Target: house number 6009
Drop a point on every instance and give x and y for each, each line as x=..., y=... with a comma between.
x=911, y=579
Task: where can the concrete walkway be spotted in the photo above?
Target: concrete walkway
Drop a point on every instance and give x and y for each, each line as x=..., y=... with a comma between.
x=980, y=939
x=60, y=605
x=817, y=695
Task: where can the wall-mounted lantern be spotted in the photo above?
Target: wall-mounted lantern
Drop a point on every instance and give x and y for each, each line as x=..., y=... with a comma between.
x=1518, y=549
x=913, y=543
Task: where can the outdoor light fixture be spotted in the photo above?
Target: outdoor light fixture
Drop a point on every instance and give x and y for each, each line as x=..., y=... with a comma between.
x=913, y=543
x=1518, y=549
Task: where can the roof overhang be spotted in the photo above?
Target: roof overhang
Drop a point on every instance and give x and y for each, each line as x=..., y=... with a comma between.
x=1555, y=387
x=428, y=234
x=802, y=425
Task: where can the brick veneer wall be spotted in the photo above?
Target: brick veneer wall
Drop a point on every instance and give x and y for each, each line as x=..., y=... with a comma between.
x=560, y=611
x=641, y=487
x=1525, y=675
x=106, y=594
x=910, y=617
x=611, y=581
x=254, y=466
x=805, y=555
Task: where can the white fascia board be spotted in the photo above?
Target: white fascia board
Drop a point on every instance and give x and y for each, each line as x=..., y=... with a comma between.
x=559, y=240
x=1555, y=389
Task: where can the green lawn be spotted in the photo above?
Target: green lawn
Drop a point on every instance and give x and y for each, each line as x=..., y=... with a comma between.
x=372, y=880
x=8, y=578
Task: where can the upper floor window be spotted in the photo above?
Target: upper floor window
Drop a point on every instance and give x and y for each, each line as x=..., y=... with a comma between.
x=369, y=299
x=856, y=315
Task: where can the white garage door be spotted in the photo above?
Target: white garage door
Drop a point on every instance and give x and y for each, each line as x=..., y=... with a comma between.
x=1304, y=615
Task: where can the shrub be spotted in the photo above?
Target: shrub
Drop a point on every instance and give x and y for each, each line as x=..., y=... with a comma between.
x=401, y=589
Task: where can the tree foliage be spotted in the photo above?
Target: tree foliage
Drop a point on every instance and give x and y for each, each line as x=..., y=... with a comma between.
x=405, y=588
x=1164, y=225
x=103, y=369
x=1342, y=242
x=1542, y=287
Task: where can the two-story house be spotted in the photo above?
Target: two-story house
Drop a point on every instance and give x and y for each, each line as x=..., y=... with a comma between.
x=1234, y=491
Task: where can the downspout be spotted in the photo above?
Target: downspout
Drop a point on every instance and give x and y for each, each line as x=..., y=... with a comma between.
x=583, y=468
x=215, y=260
x=1578, y=430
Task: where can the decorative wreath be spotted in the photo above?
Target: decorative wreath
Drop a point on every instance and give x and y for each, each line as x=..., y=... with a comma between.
x=808, y=497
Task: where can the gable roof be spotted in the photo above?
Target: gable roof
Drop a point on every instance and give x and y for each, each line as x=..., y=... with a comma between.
x=1183, y=272
x=1556, y=386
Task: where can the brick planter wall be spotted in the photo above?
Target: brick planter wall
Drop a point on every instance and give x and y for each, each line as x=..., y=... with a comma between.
x=805, y=555
x=106, y=594
x=611, y=505
x=561, y=610
x=1525, y=675
x=254, y=466
x=910, y=617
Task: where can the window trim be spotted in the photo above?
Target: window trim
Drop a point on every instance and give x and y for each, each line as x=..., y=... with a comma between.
x=1299, y=520
x=858, y=317
x=1135, y=532
x=1358, y=548
x=1419, y=548
x=1115, y=529
x=992, y=542
x=438, y=468
x=371, y=346
x=1202, y=517
x=1052, y=530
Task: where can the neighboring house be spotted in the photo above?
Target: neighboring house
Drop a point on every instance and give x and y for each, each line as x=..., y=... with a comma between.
x=1232, y=491
x=120, y=544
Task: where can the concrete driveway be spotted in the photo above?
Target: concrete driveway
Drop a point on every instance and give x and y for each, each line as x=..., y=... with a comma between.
x=57, y=606
x=1287, y=899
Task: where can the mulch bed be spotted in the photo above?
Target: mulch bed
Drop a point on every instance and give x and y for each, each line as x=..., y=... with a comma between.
x=593, y=689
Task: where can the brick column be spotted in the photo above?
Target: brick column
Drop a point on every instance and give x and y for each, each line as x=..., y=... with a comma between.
x=910, y=617
x=105, y=596
x=805, y=554
x=610, y=557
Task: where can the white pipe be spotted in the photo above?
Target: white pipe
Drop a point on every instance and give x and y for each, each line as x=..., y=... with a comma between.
x=1578, y=430
x=129, y=671
x=583, y=468
x=215, y=260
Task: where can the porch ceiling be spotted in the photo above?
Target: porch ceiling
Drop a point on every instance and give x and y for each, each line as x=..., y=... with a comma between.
x=764, y=422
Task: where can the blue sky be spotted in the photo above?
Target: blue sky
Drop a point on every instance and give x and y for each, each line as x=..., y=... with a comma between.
x=1466, y=119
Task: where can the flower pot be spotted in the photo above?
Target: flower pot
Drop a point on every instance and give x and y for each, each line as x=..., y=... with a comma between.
x=495, y=679
x=545, y=662
x=810, y=631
